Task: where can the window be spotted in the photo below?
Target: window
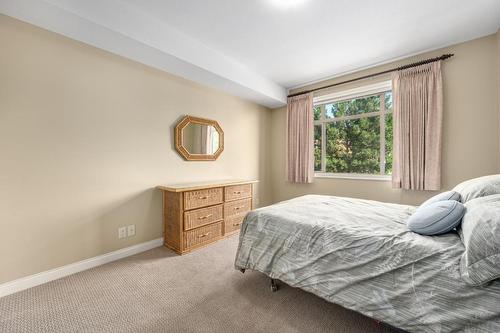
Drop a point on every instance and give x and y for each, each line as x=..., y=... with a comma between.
x=353, y=132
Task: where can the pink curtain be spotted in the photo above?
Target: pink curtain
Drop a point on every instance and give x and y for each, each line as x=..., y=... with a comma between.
x=300, y=135
x=418, y=113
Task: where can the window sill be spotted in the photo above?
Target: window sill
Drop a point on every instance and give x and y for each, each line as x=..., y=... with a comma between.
x=385, y=178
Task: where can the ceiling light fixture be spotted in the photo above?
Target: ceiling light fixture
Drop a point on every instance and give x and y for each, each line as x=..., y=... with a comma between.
x=287, y=3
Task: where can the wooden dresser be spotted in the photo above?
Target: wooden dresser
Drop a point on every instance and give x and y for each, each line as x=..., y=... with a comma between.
x=198, y=214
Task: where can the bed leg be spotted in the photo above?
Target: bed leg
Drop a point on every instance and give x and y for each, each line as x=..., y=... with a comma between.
x=274, y=286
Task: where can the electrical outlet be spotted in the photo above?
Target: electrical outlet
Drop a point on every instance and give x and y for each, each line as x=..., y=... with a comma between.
x=131, y=230
x=122, y=232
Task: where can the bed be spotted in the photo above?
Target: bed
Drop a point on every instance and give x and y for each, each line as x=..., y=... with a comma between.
x=359, y=254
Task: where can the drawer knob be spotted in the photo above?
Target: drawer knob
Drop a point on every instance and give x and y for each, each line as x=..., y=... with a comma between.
x=203, y=197
x=236, y=224
x=237, y=192
x=204, y=217
x=237, y=208
x=204, y=235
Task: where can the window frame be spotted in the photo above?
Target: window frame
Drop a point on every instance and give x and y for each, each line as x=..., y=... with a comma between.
x=377, y=89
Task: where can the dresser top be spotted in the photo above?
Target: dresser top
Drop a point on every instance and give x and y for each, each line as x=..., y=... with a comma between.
x=181, y=187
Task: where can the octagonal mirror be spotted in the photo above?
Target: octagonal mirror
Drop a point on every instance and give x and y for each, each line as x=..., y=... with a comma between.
x=198, y=139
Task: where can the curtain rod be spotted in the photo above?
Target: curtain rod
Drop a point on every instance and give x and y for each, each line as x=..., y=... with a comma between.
x=423, y=62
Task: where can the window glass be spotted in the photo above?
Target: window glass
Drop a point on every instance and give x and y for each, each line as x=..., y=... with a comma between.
x=388, y=144
x=388, y=101
x=331, y=110
x=317, y=113
x=353, y=146
x=317, y=148
x=352, y=107
x=354, y=138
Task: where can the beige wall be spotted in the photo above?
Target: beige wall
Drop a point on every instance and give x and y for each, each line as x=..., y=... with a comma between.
x=470, y=134
x=85, y=136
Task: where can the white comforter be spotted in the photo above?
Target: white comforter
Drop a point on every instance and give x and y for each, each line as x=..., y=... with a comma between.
x=360, y=254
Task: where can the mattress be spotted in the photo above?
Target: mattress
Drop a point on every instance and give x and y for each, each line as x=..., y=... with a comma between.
x=359, y=254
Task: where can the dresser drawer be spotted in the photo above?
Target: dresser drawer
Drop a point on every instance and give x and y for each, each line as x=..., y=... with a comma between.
x=238, y=207
x=202, y=198
x=199, y=217
x=236, y=192
x=202, y=235
x=233, y=223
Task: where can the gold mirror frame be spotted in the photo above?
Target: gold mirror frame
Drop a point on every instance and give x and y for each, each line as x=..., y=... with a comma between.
x=179, y=139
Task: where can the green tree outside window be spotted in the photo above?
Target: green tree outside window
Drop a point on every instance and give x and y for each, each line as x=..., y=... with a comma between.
x=354, y=136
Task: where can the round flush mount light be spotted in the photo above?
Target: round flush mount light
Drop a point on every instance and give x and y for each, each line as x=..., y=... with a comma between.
x=287, y=3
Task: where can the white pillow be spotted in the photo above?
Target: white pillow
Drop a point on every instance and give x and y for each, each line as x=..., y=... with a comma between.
x=478, y=187
x=480, y=233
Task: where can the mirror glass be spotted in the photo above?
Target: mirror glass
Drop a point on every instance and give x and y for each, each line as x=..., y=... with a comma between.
x=200, y=139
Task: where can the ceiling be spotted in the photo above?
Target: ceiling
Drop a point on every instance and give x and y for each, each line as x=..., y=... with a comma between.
x=321, y=38
x=258, y=49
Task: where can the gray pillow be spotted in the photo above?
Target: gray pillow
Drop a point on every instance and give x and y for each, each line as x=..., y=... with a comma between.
x=480, y=233
x=448, y=195
x=436, y=218
x=478, y=187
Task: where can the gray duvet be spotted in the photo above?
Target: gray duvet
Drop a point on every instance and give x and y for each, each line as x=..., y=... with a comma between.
x=360, y=254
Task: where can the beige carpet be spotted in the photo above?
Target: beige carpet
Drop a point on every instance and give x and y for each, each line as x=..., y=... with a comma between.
x=159, y=291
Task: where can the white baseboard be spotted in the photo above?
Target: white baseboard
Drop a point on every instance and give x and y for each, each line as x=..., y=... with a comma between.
x=57, y=273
